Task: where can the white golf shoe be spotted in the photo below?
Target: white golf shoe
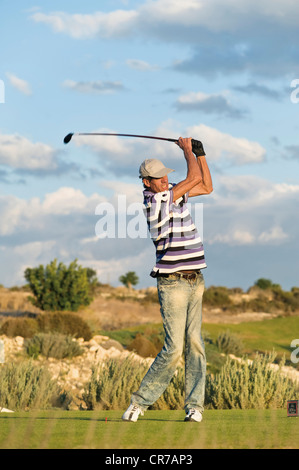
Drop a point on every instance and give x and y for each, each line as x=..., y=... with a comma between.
x=193, y=415
x=132, y=413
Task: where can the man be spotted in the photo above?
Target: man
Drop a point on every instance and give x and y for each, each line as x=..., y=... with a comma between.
x=179, y=260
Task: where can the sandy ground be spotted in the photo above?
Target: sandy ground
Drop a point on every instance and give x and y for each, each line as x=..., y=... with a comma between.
x=107, y=311
x=115, y=313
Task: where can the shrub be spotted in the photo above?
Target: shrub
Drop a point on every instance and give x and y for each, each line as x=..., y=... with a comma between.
x=25, y=327
x=150, y=298
x=64, y=323
x=58, y=287
x=263, y=283
x=113, y=382
x=143, y=346
x=52, y=345
x=217, y=297
x=229, y=343
x=260, y=304
x=244, y=385
x=25, y=386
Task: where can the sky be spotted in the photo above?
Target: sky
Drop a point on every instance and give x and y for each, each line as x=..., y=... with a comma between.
x=223, y=72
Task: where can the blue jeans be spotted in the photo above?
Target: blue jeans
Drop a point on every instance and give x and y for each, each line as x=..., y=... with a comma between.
x=181, y=310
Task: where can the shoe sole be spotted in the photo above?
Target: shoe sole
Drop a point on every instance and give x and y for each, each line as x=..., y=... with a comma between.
x=192, y=420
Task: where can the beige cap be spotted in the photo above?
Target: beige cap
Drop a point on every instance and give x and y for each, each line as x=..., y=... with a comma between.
x=153, y=168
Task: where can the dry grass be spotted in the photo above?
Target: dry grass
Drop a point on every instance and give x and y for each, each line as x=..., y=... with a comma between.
x=116, y=308
x=15, y=302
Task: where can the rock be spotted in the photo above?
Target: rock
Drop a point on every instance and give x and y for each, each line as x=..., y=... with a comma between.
x=100, y=339
x=19, y=340
x=72, y=375
x=111, y=343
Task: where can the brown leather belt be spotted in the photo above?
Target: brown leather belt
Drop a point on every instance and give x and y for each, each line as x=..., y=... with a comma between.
x=188, y=275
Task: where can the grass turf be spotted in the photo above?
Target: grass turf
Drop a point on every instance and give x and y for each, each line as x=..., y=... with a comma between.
x=276, y=333
x=263, y=336
x=220, y=429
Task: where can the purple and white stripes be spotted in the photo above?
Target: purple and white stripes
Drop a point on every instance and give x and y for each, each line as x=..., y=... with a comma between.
x=178, y=244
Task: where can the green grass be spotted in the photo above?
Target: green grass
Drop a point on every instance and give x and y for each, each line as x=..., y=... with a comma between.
x=263, y=336
x=220, y=429
x=266, y=335
x=126, y=335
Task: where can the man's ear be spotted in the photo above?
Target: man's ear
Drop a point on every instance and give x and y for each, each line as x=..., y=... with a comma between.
x=146, y=182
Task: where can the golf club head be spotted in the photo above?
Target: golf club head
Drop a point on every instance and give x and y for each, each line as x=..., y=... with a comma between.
x=67, y=138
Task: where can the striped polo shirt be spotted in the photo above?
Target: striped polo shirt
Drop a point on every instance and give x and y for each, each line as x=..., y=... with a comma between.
x=176, y=239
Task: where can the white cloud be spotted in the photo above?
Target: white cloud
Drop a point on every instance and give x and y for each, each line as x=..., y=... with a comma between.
x=19, y=215
x=245, y=191
x=20, y=84
x=125, y=155
x=105, y=144
x=69, y=200
x=115, y=24
x=214, y=103
x=227, y=37
x=276, y=234
x=239, y=237
x=251, y=211
x=214, y=15
x=19, y=152
x=218, y=145
x=234, y=237
x=99, y=86
x=140, y=65
x=244, y=211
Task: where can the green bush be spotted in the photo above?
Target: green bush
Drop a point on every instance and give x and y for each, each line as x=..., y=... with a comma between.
x=263, y=283
x=229, y=343
x=244, y=385
x=25, y=327
x=113, y=382
x=24, y=386
x=52, y=345
x=64, y=323
x=217, y=297
x=59, y=288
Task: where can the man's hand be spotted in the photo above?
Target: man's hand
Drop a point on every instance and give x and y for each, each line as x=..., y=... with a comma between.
x=196, y=146
x=185, y=144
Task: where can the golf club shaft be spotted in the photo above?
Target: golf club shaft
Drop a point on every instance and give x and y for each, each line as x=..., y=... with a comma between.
x=197, y=147
x=69, y=136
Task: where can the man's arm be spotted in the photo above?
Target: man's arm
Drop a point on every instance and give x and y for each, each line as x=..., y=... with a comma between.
x=205, y=186
x=194, y=173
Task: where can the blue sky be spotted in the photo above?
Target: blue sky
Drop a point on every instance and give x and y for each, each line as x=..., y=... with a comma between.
x=219, y=71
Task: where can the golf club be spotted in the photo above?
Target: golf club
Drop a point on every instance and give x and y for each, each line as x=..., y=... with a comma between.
x=197, y=146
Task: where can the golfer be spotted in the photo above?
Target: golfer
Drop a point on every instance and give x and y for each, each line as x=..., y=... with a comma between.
x=179, y=261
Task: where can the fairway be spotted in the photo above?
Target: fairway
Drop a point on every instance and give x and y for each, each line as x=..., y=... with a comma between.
x=220, y=429
x=276, y=334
